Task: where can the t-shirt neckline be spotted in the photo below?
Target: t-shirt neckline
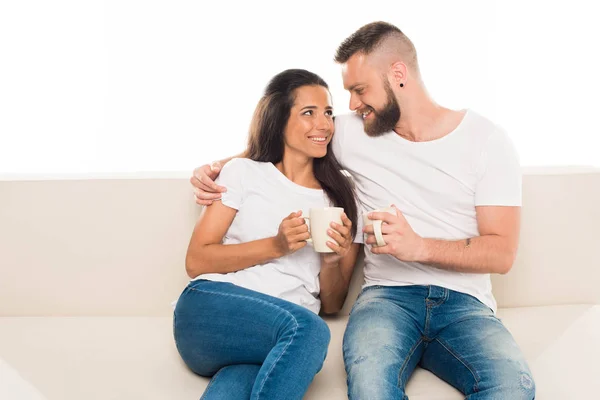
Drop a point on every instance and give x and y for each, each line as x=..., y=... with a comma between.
x=292, y=185
x=435, y=141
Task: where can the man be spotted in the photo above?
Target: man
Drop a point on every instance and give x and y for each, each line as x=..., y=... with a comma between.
x=454, y=179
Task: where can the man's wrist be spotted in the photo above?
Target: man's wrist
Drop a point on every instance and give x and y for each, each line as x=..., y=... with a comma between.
x=424, y=251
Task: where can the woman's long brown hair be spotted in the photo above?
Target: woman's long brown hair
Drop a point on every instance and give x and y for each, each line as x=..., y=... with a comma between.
x=266, y=144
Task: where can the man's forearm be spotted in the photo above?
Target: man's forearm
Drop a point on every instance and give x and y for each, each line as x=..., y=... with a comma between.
x=483, y=254
x=226, y=160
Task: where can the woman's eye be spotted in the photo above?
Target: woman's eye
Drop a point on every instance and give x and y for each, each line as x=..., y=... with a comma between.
x=307, y=112
x=329, y=113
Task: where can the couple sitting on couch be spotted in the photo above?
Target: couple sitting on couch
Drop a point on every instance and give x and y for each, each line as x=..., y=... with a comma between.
x=249, y=318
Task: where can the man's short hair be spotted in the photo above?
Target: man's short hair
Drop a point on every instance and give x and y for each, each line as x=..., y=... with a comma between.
x=374, y=36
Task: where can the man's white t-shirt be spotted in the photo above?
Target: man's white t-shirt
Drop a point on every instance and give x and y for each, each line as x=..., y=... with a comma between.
x=436, y=185
x=263, y=197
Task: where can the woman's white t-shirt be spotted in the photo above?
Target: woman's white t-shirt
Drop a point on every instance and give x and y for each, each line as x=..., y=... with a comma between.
x=263, y=197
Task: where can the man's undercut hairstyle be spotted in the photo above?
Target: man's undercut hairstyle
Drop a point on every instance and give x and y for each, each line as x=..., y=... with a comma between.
x=378, y=37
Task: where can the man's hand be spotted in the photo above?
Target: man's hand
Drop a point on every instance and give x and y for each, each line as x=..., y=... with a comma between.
x=342, y=236
x=203, y=180
x=400, y=239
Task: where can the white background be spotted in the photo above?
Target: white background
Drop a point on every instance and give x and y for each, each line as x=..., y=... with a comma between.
x=122, y=86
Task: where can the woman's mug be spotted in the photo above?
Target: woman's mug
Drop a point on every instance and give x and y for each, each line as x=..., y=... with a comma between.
x=377, y=225
x=318, y=222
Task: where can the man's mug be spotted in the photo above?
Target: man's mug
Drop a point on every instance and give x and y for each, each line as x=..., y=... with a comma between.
x=318, y=223
x=377, y=224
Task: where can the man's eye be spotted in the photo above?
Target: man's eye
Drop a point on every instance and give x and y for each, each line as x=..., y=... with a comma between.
x=329, y=113
x=359, y=92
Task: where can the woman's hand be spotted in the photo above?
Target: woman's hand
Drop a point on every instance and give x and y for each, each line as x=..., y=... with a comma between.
x=292, y=234
x=342, y=235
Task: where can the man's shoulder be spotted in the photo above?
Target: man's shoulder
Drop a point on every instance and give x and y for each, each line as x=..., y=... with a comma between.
x=349, y=122
x=490, y=138
x=481, y=125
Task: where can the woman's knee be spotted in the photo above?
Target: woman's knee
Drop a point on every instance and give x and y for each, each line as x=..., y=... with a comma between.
x=314, y=329
x=309, y=336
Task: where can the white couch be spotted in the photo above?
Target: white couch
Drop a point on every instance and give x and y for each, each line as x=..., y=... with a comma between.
x=88, y=269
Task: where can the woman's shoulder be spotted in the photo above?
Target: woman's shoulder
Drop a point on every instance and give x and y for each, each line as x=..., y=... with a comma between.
x=245, y=164
x=238, y=175
x=246, y=168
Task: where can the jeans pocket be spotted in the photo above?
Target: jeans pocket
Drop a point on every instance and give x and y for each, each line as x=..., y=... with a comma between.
x=362, y=293
x=371, y=288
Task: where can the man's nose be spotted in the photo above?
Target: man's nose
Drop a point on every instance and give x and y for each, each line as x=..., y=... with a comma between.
x=355, y=103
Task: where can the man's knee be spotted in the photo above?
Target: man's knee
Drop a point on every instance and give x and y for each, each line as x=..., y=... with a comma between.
x=372, y=370
x=521, y=387
x=509, y=384
x=371, y=378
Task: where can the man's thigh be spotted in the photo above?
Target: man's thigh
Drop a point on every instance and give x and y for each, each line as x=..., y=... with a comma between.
x=382, y=345
x=479, y=357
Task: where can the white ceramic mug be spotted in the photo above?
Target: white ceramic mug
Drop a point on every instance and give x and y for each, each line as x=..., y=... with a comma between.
x=318, y=223
x=377, y=225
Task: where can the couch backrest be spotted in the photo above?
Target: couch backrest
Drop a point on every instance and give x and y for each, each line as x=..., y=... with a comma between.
x=117, y=246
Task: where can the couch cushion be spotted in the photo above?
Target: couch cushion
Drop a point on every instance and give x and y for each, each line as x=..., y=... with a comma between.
x=72, y=358
x=94, y=239
x=13, y=386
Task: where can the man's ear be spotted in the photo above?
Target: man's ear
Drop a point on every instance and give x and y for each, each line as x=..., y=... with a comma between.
x=399, y=73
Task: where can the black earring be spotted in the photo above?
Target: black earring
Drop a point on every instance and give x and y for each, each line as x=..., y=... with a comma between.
x=402, y=85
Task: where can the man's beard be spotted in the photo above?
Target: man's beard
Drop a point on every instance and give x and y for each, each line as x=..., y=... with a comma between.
x=385, y=120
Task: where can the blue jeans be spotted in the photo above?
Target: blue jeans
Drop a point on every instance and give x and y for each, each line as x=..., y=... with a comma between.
x=393, y=329
x=254, y=346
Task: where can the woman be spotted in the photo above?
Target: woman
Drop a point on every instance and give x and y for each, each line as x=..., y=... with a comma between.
x=249, y=317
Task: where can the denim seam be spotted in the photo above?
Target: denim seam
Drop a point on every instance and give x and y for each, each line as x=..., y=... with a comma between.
x=262, y=385
x=406, y=360
x=426, y=327
x=463, y=362
x=443, y=299
x=268, y=304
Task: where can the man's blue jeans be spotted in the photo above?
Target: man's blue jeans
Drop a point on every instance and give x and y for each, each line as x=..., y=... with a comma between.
x=393, y=329
x=254, y=346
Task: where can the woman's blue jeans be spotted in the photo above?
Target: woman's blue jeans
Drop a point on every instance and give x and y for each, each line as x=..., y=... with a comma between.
x=254, y=346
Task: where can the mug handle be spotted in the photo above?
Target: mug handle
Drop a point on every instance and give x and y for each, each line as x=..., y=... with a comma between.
x=377, y=231
x=307, y=221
